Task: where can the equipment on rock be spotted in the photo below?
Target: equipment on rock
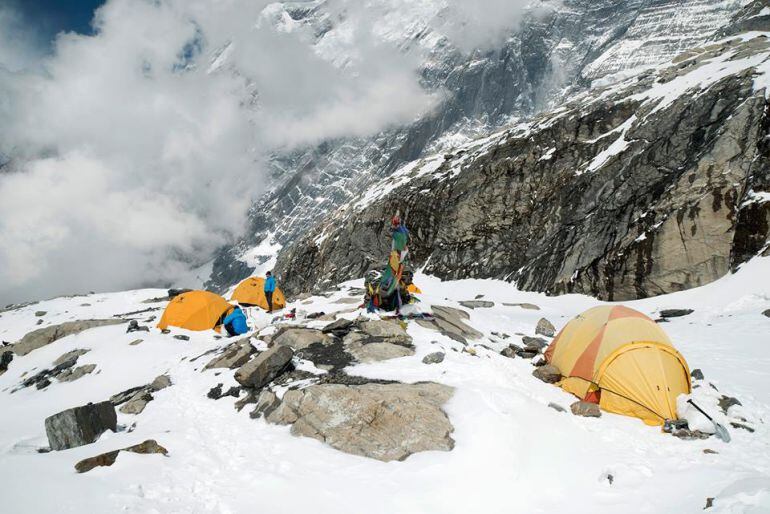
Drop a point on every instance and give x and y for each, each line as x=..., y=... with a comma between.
x=622, y=360
x=252, y=292
x=195, y=310
x=389, y=290
x=721, y=431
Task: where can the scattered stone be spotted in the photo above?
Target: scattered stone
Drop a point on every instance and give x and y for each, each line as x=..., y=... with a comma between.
x=696, y=374
x=133, y=326
x=43, y=383
x=234, y=356
x=267, y=402
x=39, y=322
x=526, y=306
x=585, y=409
x=735, y=424
x=381, y=421
x=5, y=360
x=73, y=374
x=477, y=304
x=47, y=335
x=545, y=328
x=539, y=361
x=725, y=402
x=266, y=366
x=501, y=335
x=135, y=342
x=182, y=337
x=314, y=315
x=339, y=328
x=216, y=392
x=72, y=355
x=709, y=503
x=300, y=338
x=160, y=382
x=534, y=344
x=173, y=293
x=109, y=458
x=137, y=403
x=80, y=425
x=450, y=322
x=433, y=358
x=689, y=435
x=767, y=313
x=39, y=314
x=549, y=374
x=675, y=313
x=165, y=331
x=709, y=451
x=557, y=407
x=508, y=352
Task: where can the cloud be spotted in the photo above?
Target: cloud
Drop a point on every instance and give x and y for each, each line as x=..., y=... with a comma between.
x=134, y=158
x=21, y=47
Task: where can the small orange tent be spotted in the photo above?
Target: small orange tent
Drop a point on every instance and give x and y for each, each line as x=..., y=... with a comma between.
x=622, y=360
x=195, y=310
x=252, y=292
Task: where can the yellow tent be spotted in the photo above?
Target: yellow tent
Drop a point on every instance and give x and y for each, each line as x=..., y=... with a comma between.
x=195, y=310
x=413, y=289
x=622, y=360
x=252, y=292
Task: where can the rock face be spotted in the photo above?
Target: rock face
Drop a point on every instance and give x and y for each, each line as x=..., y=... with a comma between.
x=5, y=360
x=43, y=336
x=109, y=458
x=621, y=194
x=134, y=400
x=363, y=350
x=80, y=425
x=300, y=338
x=264, y=367
x=381, y=421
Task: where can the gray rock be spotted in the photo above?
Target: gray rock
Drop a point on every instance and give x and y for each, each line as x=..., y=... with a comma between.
x=767, y=313
x=160, y=382
x=44, y=336
x=477, y=304
x=300, y=338
x=526, y=306
x=557, y=407
x=534, y=344
x=338, y=327
x=381, y=421
x=545, y=328
x=73, y=374
x=385, y=332
x=433, y=358
x=136, y=342
x=451, y=323
x=80, y=425
x=137, y=403
x=267, y=402
x=696, y=374
x=182, y=337
x=585, y=409
x=261, y=370
x=549, y=374
x=364, y=350
x=508, y=352
x=5, y=360
x=234, y=356
x=39, y=314
x=74, y=354
x=109, y=458
x=725, y=402
x=675, y=313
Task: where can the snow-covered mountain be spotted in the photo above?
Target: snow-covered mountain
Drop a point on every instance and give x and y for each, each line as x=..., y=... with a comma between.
x=552, y=51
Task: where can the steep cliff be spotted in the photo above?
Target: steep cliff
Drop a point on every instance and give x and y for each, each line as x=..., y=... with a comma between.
x=653, y=185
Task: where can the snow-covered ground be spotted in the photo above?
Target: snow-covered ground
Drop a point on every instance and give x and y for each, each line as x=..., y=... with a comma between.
x=513, y=453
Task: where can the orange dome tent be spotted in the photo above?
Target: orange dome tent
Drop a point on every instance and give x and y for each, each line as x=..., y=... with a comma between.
x=252, y=292
x=622, y=360
x=195, y=310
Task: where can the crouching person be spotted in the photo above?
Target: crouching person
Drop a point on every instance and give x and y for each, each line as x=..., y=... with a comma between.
x=235, y=323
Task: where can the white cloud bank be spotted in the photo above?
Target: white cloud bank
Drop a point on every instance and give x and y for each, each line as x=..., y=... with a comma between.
x=132, y=160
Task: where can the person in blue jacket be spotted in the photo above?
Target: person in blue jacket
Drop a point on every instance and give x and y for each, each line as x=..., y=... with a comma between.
x=269, y=288
x=235, y=322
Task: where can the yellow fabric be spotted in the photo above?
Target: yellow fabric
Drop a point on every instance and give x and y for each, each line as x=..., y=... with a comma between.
x=633, y=358
x=252, y=292
x=194, y=310
x=413, y=289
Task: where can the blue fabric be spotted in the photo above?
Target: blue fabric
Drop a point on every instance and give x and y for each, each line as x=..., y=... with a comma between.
x=269, y=284
x=235, y=322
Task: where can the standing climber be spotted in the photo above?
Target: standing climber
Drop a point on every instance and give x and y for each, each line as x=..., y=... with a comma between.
x=269, y=288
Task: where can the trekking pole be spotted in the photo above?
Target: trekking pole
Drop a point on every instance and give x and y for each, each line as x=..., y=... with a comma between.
x=721, y=432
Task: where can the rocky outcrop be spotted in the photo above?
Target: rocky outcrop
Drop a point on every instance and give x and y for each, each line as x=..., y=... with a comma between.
x=622, y=194
x=134, y=400
x=545, y=328
x=234, y=356
x=43, y=336
x=109, y=458
x=451, y=323
x=80, y=425
x=266, y=366
x=381, y=421
x=549, y=374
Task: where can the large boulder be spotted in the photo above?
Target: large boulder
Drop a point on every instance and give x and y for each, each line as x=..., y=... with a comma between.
x=109, y=458
x=385, y=332
x=43, y=336
x=234, y=356
x=381, y=421
x=261, y=370
x=585, y=409
x=80, y=425
x=451, y=323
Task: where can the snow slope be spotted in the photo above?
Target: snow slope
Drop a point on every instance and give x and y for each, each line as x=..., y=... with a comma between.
x=512, y=454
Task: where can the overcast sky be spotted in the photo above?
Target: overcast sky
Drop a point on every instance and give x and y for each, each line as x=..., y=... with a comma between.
x=133, y=156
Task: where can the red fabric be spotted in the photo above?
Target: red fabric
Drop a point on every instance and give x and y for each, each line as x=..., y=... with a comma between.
x=584, y=367
x=593, y=396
